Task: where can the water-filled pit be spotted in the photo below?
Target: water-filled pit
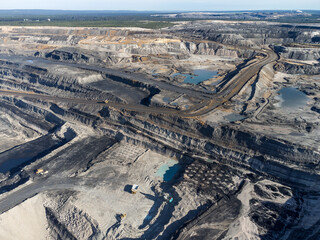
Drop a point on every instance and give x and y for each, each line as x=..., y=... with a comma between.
x=168, y=170
x=198, y=76
x=292, y=99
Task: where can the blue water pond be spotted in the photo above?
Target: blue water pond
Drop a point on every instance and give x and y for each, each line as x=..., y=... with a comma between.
x=292, y=98
x=198, y=76
x=168, y=170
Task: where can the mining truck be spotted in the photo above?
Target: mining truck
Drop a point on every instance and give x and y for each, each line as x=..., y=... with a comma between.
x=41, y=171
x=134, y=189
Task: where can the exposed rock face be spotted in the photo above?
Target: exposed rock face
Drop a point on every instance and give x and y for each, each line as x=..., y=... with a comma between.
x=293, y=68
x=123, y=52
x=245, y=146
x=52, y=81
x=259, y=153
x=228, y=180
x=307, y=54
x=215, y=49
x=315, y=109
x=69, y=222
x=111, y=46
x=261, y=33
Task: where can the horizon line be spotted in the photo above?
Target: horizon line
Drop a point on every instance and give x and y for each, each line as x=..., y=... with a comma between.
x=126, y=10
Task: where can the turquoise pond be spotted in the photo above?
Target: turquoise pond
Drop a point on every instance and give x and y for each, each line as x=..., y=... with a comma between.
x=198, y=76
x=292, y=98
x=168, y=170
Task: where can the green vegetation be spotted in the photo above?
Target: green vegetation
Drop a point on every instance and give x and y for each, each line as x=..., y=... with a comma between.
x=85, y=23
x=82, y=19
x=151, y=20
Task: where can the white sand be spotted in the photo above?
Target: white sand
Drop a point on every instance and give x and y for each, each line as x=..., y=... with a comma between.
x=26, y=221
x=243, y=228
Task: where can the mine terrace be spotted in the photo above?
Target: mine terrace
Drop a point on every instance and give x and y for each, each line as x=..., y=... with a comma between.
x=204, y=129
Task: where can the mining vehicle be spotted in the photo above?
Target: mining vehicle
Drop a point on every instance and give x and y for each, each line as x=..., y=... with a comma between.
x=134, y=188
x=41, y=171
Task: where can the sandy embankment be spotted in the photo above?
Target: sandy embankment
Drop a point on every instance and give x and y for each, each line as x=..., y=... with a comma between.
x=24, y=222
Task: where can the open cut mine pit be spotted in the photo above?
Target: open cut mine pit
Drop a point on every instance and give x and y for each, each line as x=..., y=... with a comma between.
x=179, y=133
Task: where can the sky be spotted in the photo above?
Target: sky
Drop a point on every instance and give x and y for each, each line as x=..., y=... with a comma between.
x=162, y=5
